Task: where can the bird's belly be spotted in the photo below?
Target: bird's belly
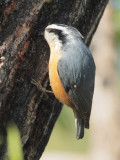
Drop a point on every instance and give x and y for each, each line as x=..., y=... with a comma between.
x=55, y=81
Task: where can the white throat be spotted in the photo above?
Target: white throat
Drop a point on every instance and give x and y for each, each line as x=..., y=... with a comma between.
x=53, y=41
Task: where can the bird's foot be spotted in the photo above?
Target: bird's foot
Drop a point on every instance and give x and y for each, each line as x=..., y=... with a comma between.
x=40, y=88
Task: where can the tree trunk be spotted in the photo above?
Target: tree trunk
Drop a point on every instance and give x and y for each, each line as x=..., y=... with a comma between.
x=24, y=56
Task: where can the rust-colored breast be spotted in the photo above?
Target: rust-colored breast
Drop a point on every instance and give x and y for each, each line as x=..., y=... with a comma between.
x=55, y=81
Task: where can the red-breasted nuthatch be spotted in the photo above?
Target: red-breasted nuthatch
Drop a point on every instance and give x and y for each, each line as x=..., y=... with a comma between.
x=71, y=72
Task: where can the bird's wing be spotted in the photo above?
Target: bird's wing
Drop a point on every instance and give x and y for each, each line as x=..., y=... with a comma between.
x=77, y=73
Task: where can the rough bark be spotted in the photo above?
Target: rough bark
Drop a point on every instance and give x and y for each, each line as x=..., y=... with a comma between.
x=24, y=56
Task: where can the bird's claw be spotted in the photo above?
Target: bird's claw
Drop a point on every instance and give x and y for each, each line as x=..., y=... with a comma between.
x=39, y=87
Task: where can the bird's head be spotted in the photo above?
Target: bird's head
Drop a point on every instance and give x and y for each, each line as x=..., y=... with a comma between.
x=58, y=35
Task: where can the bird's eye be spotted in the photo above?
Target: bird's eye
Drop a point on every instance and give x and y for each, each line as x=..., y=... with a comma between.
x=48, y=29
x=56, y=31
x=59, y=33
x=53, y=30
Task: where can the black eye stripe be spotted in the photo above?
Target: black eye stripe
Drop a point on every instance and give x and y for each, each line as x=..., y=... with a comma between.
x=56, y=31
x=60, y=34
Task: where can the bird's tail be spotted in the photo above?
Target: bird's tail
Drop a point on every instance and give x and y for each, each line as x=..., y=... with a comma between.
x=79, y=123
x=80, y=127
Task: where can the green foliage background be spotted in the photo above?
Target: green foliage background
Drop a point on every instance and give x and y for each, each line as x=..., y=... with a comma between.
x=14, y=146
x=64, y=134
x=116, y=24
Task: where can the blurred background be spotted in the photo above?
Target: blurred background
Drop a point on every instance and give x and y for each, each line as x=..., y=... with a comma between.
x=102, y=140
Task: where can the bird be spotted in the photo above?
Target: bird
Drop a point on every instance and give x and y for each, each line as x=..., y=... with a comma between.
x=71, y=72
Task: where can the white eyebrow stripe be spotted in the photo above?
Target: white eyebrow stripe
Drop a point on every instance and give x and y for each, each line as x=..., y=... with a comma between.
x=63, y=28
x=53, y=26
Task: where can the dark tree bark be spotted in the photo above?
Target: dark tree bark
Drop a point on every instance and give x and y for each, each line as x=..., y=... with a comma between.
x=24, y=56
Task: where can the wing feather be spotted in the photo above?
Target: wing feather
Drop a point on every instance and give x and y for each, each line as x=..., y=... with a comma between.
x=76, y=69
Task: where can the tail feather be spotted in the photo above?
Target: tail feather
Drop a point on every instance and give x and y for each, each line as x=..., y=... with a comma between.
x=80, y=128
